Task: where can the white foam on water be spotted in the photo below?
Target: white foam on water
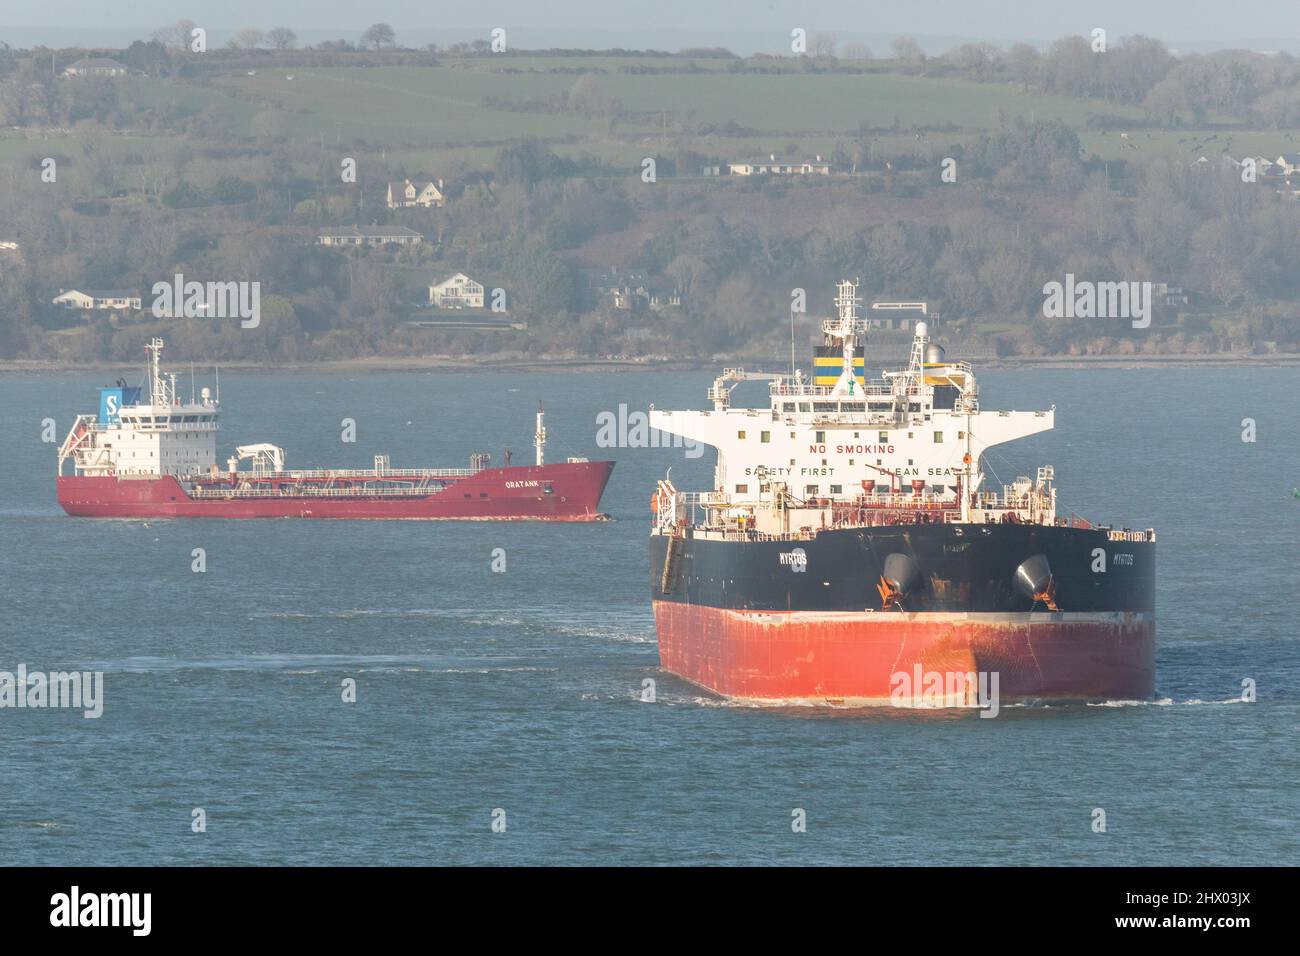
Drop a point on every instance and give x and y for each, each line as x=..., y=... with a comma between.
x=1167, y=702
x=307, y=664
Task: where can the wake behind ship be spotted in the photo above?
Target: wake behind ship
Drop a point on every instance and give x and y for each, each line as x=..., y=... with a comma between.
x=848, y=551
x=149, y=455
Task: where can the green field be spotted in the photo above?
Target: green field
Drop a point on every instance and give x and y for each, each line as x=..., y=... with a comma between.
x=456, y=115
x=443, y=105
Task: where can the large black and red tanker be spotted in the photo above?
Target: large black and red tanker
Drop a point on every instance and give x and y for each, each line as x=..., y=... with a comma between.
x=848, y=544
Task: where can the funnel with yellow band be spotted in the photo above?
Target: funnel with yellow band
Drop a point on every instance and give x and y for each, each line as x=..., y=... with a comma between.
x=828, y=363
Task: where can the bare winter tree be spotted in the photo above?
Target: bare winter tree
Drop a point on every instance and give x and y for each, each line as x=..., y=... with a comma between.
x=907, y=49
x=175, y=35
x=379, y=35
x=282, y=38
x=1022, y=61
x=249, y=38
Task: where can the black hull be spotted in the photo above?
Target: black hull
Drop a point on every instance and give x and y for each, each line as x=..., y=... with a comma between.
x=967, y=568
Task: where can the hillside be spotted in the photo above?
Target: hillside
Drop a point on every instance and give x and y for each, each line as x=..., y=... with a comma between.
x=227, y=166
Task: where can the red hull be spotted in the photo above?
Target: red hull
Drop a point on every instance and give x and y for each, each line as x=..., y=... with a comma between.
x=494, y=494
x=854, y=658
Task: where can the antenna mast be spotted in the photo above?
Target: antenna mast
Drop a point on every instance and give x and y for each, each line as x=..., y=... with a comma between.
x=157, y=387
x=846, y=327
x=539, y=436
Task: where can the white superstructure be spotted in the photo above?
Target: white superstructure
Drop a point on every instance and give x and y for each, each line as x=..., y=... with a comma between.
x=145, y=432
x=916, y=435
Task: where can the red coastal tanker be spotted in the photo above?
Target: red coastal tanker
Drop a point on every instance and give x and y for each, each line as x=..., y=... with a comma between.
x=149, y=455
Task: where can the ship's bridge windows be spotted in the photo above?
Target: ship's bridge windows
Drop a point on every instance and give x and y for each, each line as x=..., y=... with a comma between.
x=788, y=407
x=824, y=407
x=805, y=407
x=851, y=407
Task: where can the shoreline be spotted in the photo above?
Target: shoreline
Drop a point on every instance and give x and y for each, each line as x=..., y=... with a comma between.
x=586, y=365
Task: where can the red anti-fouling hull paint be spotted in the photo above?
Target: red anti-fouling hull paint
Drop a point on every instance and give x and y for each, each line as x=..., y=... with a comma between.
x=494, y=494
x=853, y=657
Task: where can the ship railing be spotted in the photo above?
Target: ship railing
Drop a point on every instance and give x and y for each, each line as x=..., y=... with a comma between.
x=1127, y=534
x=721, y=512
x=93, y=424
x=825, y=391
x=358, y=473
x=204, y=491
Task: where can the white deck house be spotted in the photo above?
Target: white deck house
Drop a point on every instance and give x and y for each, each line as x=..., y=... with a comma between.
x=456, y=292
x=368, y=236
x=105, y=299
x=406, y=194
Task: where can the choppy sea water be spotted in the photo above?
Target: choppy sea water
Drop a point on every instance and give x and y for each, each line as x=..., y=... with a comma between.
x=521, y=691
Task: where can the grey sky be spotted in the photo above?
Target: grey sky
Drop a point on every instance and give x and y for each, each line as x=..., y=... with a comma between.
x=743, y=25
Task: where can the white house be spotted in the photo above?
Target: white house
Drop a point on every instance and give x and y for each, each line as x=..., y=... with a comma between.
x=406, y=194
x=456, y=292
x=896, y=315
x=102, y=299
x=368, y=236
x=780, y=167
x=1289, y=163
x=95, y=66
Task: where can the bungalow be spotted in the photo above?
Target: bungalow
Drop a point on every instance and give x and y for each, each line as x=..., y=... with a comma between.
x=896, y=315
x=368, y=236
x=456, y=292
x=780, y=167
x=405, y=194
x=95, y=66
x=101, y=299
